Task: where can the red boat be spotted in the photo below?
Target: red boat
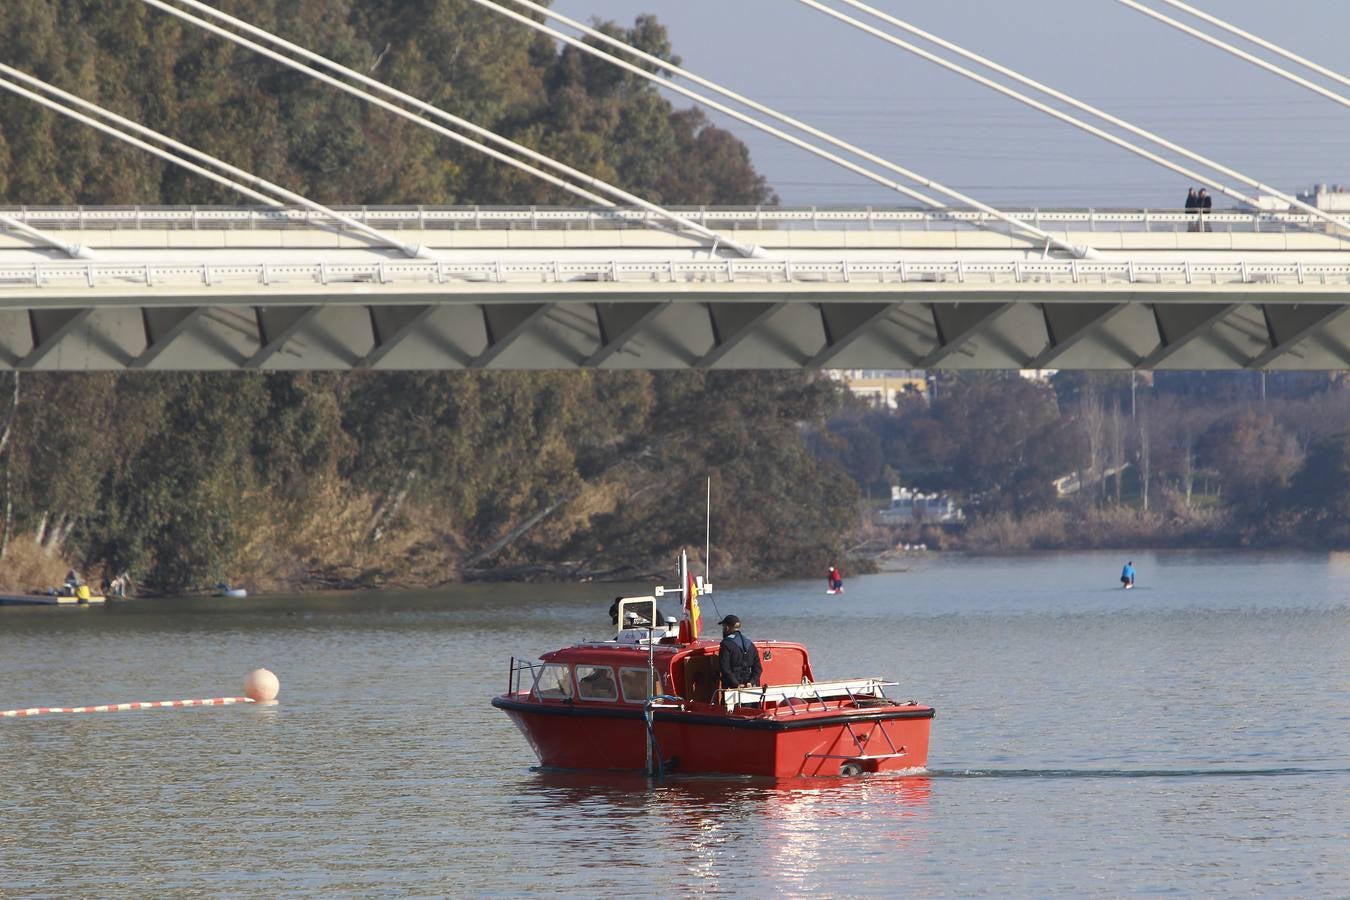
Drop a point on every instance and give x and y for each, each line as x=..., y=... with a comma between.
x=650, y=700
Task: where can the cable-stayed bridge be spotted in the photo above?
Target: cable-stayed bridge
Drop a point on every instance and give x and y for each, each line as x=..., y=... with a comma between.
x=624, y=283
x=218, y=288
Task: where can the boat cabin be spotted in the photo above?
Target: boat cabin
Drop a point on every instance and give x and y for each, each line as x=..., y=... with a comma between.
x=645, y=660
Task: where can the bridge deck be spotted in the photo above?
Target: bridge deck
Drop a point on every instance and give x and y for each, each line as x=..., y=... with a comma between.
x=241, y=289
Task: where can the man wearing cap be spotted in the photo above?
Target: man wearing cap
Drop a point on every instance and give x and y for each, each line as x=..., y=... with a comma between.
x=738, y=657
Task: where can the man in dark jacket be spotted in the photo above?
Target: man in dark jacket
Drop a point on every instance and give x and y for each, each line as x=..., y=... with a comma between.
x=738, y=657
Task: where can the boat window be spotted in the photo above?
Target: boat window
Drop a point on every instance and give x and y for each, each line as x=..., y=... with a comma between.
x=635, y=684
x=596, y=683
x=553, y=683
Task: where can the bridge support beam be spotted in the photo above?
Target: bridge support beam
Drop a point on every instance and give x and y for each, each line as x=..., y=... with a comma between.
x=1065, y=326
x=618, y=324
x=276, y=326
x=1179, y=325
x=389, y=326
x=162, y=328
x=1289, y=326
x=731, y=324
x=48, y=327
x=844, y=323
x=503, y=325
x=957, y=324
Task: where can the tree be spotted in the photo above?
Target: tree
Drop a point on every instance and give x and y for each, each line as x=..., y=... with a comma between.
x=1320, y=492
x=1251, y=453
x=1145, y=455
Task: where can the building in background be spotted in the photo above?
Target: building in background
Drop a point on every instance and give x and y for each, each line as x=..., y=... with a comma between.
x=883, y=388
x=910, y=507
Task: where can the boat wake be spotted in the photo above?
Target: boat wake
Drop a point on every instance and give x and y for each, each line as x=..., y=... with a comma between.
x=1133, y=773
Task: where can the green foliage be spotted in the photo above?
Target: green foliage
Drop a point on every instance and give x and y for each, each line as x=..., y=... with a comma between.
x=288, y=128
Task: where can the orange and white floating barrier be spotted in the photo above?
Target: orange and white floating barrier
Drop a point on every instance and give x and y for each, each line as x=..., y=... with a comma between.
x=261, y=687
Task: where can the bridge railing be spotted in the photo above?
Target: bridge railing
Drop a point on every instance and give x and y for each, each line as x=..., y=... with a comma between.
x=94, y=275
x=476, y=218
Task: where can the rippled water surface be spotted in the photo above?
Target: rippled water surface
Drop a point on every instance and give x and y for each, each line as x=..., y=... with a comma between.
x=1189, y=736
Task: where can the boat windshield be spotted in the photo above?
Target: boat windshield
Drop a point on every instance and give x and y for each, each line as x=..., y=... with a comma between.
x=554, y=682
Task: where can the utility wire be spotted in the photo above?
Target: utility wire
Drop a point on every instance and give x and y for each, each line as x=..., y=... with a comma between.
x=1105, y=116
x=588, y=180
x=1260, y=42
x=667, y=83
x=1029, y=101
x=268, y=198
x=1239, y=53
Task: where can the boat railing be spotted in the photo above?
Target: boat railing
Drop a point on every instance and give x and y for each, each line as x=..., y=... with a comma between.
x=809, y=693
x=520, y=666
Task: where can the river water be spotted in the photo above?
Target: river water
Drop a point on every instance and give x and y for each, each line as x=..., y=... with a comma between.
x=1188, y=736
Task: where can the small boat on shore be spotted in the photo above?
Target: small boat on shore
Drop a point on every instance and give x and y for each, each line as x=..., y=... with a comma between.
x=224, y=590
x=62, y=596
x=650, y=699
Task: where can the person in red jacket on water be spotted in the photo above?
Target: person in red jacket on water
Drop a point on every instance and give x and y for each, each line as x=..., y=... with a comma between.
x=836, y=578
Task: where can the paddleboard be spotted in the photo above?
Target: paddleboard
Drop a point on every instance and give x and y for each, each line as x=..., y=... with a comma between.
x=832, y=591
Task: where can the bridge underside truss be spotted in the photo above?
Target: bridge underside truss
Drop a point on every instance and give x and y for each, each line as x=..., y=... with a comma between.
x=651, y=330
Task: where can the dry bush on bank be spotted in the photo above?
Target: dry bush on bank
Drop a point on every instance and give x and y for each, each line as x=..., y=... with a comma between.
x=1060, y=529
x=27, y=567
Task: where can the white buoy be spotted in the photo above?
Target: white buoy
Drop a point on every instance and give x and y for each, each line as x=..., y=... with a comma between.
x=261, y=686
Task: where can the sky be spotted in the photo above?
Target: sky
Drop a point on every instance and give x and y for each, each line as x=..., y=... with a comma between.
x=800, y=61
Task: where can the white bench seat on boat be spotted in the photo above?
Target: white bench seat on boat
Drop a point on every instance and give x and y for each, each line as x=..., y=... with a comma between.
x=808, y=691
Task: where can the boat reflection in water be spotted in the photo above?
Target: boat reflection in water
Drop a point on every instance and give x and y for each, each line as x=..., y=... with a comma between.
x=651, y=699
x=787, y=832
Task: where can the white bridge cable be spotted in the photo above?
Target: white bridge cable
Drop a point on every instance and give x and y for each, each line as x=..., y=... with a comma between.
x=270, y=199
x=1031, y=101
x=1101, y=114
x=1260, y=42
x=75, y=251
x=589, y=181
x=667, y=83
x=1238, y=52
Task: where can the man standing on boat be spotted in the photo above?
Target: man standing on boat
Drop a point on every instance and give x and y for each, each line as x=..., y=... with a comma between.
x=738, y=657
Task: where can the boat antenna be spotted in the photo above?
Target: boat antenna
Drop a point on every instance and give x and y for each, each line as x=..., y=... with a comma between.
x=707, y=548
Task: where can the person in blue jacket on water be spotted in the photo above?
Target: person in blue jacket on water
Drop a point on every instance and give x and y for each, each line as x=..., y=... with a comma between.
x=1127, y=574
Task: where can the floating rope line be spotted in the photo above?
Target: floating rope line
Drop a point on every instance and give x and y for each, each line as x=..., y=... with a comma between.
x=121, y=707
x=261, y=686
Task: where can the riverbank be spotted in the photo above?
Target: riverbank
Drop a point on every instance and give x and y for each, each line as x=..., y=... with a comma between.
x=1109, y=528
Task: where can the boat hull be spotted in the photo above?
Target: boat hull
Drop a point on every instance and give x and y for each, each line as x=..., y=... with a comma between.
x=578, y=736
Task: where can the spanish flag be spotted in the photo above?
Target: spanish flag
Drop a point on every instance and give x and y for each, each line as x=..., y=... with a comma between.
x=692, y=620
